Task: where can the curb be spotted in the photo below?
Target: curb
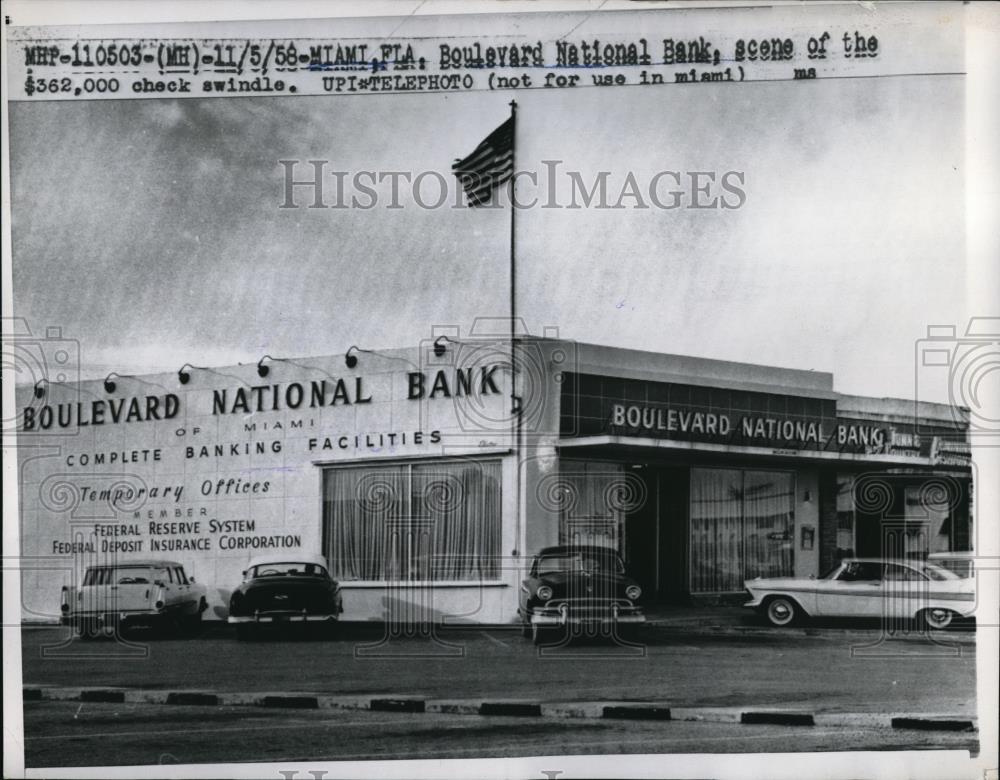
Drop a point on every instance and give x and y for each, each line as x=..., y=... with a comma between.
x=518, y=708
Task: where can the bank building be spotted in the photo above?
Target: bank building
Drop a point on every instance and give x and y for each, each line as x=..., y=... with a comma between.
x=410, y=472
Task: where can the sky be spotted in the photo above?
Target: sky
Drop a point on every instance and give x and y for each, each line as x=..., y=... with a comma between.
x=151, y=230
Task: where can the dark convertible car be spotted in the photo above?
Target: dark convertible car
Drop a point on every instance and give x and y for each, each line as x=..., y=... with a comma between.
x=284, y=590
x=578, y=589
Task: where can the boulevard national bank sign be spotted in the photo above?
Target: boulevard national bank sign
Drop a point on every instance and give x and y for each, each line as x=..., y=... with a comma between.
x=748, y=429
x=618, y=406
x=453, y=383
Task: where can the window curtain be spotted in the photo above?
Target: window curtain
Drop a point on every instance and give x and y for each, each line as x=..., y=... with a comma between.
x=427, y=521
x=457, y=511
x=363, y=509
x=592, y=502
x=742, y=526
x=768, y=523
x=716, y=535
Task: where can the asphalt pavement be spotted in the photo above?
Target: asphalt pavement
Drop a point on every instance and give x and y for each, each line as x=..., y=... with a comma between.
x=64, y=734
x=847, y=671
x=486, y=691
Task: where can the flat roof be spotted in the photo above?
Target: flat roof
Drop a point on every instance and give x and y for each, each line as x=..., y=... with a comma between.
x=687, y=369
x=584, y=358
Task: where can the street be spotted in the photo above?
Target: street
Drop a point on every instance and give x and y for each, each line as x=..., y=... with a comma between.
x=829, y=671
x=769, y=667
x=69, y=734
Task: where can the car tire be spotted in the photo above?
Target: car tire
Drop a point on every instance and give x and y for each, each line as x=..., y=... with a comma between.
x=244, y=632
x=935, y=619
x=781, y=611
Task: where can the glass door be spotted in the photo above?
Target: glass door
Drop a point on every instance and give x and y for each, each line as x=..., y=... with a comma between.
x=742, y=526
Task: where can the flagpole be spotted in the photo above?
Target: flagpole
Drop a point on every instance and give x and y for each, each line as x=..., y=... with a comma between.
x=513, y=212
x=515, y=400
x=480, y=174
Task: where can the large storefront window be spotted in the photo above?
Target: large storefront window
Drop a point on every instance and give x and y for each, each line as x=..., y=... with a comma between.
x=742, y=526
x=846, y=520
x=423, y=521
x=936, y=518
x=899, y=515
x=596, y=497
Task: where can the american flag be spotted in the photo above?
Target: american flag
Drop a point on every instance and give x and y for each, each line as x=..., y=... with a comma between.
x=488, y=166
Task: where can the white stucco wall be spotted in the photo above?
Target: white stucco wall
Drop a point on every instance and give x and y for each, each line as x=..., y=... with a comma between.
x=62, y=501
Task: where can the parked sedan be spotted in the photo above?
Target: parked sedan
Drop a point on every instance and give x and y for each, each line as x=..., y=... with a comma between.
x=578, y=588
x=151, y=593
x=283, y=590
x=867, y=587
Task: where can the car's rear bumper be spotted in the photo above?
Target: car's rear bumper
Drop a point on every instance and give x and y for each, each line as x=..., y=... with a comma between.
x=107, y=618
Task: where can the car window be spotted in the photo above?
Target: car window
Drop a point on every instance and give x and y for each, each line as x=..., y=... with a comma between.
x=897, y=573
x=553, y=564
x=939, y=573
x=590, y=562
x=861, y=571
x=181, y=578
x=98, y=576
x=289, y=569
x=832, y=573
x=131, y=575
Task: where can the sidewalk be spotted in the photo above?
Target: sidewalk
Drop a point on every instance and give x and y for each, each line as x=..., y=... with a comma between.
x=739, y=620
x=520, y=708
x=683, y=616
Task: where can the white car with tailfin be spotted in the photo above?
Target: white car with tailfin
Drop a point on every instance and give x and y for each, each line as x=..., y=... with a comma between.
x=867, y=588
x=116, y=597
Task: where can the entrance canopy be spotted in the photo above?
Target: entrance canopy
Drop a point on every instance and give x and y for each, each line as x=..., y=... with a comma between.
x=626, y=446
